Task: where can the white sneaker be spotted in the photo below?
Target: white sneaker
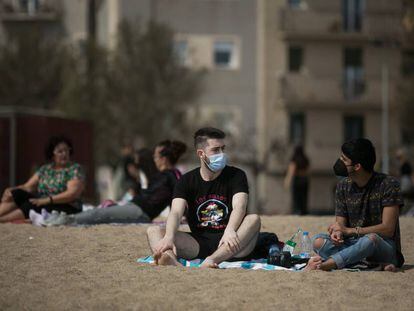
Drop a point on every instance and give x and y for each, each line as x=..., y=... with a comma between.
x=52, y=217
x=37, y=219
x=45, y=213
x=63, y=219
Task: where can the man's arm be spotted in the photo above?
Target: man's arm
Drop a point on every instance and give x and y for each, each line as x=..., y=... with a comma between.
x=385, y=228
x=239, y=202
x=178, y=207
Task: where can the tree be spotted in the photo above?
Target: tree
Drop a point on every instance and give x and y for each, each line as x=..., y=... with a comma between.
x=138, y=90
x=31, y=69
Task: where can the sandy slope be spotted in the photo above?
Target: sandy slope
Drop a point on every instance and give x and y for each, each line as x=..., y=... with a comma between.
x=94, y=269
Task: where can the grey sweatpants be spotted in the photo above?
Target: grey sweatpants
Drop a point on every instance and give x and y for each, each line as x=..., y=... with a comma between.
x=128, y=213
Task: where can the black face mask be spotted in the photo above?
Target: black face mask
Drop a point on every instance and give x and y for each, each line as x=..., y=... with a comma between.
x=340, y=168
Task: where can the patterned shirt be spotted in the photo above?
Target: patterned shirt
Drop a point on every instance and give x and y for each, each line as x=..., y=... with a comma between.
x=54, y=181
x=362, y=207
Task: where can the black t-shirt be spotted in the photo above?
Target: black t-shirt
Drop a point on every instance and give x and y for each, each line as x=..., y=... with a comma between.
x=210, y=202
x=158, y=195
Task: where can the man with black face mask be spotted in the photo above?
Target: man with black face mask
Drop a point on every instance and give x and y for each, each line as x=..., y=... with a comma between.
x=214, y=199
x=367, y=211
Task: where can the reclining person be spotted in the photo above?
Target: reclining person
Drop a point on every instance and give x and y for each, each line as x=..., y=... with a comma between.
x=148, y=203
x=214, y=198
x=367, y=211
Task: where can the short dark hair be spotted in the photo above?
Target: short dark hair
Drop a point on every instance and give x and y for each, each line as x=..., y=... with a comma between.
x=201, y=136
x=53, y=142
x=172, y=150
x=362, y=151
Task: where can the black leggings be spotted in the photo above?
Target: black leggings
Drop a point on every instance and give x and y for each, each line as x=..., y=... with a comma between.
x=21, y=198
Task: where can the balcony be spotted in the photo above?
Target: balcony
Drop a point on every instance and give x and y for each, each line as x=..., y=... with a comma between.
x=30, y=10
x=330, y=92
x=312, y=24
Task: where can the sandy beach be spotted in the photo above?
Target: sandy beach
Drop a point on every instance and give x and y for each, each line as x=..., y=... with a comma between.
x=94, y=268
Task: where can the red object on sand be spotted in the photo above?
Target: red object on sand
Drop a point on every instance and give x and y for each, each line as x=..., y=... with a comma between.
x=21, y=221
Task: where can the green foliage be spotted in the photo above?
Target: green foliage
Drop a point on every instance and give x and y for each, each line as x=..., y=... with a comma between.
x=138, y=90
x=31, y=70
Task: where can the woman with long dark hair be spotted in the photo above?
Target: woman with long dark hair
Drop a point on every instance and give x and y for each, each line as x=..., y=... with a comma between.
x=297, y=178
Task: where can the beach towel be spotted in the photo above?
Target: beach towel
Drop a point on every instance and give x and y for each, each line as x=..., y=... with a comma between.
x=255, y=264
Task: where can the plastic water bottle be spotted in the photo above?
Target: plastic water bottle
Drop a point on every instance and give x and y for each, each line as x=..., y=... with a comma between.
x=305, y=245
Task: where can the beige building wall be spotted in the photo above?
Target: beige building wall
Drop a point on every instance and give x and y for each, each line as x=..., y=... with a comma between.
x=317, y=90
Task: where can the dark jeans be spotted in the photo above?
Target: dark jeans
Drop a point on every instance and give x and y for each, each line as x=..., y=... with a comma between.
x=300, y=187
x=21, y=198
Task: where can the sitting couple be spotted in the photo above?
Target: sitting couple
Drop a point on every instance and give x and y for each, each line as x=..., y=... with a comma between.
x=214, y=199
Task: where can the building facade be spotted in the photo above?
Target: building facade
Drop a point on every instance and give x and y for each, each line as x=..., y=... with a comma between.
x=279, y=73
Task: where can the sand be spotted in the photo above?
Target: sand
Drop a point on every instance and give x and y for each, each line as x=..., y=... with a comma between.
x=94, y=268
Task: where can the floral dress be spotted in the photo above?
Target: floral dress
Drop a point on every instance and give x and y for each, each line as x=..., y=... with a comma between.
x=54, y=181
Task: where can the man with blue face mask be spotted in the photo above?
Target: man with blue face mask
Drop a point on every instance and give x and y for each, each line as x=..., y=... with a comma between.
x=214, y=199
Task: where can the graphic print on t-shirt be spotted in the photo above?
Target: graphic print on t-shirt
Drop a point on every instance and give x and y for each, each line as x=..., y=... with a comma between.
x=212, y=213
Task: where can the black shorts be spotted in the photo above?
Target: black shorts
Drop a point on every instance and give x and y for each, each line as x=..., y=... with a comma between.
x=21, y=198
x=207, y=241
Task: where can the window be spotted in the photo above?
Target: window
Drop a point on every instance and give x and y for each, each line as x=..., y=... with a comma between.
x=407, y=64
x=297, y=128
x=353, y=80
x=181, y=51
x=352, y=15
x=353, y=127
x=29, y=6
x=224, y=54
x=294, y=3
x=295, y=58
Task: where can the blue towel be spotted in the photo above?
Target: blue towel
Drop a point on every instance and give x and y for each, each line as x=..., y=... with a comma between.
x=256, y=264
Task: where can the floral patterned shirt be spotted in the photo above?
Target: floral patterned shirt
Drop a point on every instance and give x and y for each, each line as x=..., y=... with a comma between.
x=54, y=181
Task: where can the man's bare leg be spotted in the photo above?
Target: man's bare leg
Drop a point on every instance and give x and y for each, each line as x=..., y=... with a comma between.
x=187, y=247
x=16, y=214
x=247, y=232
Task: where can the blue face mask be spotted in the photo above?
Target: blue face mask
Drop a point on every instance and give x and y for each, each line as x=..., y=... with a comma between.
x=217, y=162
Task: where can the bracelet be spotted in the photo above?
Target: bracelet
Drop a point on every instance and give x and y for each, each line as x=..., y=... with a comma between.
x=51, y=200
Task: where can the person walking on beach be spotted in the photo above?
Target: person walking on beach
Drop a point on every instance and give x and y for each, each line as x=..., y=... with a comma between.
x=214, y=198
x=297, y=178
x=367, y=211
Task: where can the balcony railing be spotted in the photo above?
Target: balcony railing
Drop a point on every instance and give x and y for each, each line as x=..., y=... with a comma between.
x=312, y=22
x=331, y=91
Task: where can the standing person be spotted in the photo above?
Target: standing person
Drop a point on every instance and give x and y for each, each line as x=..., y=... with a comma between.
x=57, y=185
x=148, y=203
x=214, y=199
x=297, y=178
x=367, y=210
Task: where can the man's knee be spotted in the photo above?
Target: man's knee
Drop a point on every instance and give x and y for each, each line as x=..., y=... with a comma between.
x=154, y=230
x=372, y=238
x=253, y=220
x=318, y=243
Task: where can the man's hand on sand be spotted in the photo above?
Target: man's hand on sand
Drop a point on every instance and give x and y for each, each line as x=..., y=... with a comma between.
x=337, y=238
x=231, y=240
x=164, y=245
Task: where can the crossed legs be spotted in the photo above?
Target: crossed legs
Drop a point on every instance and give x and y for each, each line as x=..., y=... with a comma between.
x=187, y=247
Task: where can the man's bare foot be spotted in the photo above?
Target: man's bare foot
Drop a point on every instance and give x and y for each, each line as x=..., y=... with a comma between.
x=390, y=268
x=168, y=260
x=209, y=263
x=314, y=263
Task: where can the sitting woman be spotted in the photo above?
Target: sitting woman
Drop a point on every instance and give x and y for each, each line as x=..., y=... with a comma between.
x=57, y=185
x=148, y=203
